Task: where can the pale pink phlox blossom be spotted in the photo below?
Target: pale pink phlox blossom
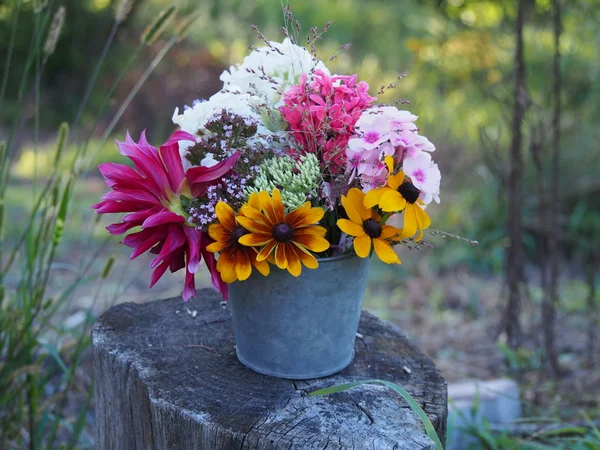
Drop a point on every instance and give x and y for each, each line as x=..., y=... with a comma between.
x=425, y=176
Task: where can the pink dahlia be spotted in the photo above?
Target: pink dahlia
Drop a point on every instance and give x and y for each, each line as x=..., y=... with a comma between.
x=322, y=114
x=150, y=193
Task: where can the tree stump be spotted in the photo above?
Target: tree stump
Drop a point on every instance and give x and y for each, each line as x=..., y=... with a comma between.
x=167, y=378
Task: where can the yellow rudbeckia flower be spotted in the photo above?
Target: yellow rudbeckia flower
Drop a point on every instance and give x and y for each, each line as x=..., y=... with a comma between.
x=366, y=227
x=289, y=237
x=235, y=260
x=399, y=194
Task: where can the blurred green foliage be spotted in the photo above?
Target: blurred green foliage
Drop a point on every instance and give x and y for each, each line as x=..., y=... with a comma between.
x=458, y=56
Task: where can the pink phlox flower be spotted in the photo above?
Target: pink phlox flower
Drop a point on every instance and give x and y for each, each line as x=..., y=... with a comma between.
x=424, y=174
x=150, y=193
x=321, y=115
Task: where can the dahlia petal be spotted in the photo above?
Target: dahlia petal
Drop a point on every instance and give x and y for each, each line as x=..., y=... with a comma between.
x=175, y=239
x=171, y=159
x=109, y=206
x=385, y=252
x=217, y=281
x=120, y=228
x=189, y=288
x=208, y=174
x=143, y=246
x=162, y=218
x=362, y=245
x=194, y=240
x=131, y=195
x=158, y=273
x=350, y=228
x=180, y=135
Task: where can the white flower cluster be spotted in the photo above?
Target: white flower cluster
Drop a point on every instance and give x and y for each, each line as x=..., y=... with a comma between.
x=269, y=70
x=247, y=87
x=297, y=180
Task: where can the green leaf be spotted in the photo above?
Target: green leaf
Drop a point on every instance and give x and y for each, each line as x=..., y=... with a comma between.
x=400, y=391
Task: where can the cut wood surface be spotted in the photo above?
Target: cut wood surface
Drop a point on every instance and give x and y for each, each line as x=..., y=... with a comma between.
x=168, y=378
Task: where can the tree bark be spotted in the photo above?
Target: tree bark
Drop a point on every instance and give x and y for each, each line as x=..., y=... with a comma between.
x=549, y=312
x=167, y=379
x=514, y=252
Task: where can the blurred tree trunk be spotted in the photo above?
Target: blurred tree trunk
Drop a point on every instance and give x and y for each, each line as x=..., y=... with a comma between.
x=551, y=300
x=592, y=309
x=514, y=253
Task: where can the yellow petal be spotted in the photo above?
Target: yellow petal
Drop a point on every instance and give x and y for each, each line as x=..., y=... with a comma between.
x=226, y=267
x=307, y=259
x=217, y=246
x=350, y=228
x=357, y=199
x=255, y=239
x=243, y=267
x=253, y=201
x=389, y=162
x=262, y=266
x=372, y=197
x=226, y=215
x=385, y=252
x=254, y=214
x=294, y=266
x=253, y=225
x=218, y=233
x=312, y=242
x=351, y=211
x=280, y=258
x=390, y=232
x=266, y=251
x=392, y=201
x=362, y=245
x=278, y=206
x=394, y=181
x=410, y=222
x=294, y=218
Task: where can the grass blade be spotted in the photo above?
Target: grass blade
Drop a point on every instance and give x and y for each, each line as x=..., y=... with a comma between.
x=400, y=391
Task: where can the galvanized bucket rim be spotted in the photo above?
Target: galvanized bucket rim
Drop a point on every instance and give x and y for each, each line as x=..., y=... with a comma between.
x=335, y=258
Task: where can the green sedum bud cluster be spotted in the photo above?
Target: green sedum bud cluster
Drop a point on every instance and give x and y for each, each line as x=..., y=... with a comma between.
x=297, y=181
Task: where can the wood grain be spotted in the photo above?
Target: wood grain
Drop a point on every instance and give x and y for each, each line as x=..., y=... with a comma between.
x=167, y=380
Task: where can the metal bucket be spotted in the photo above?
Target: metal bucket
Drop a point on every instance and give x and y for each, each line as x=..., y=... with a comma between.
x=300, y=328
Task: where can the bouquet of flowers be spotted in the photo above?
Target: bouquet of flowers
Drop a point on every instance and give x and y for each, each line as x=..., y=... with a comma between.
x=285, y=165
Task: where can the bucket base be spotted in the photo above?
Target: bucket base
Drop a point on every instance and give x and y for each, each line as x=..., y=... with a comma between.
x=294, y=376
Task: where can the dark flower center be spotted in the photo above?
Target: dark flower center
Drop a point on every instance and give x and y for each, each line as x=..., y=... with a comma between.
x=283, y=232
x=372, y=228
x=409, y=192
x=238, y=233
